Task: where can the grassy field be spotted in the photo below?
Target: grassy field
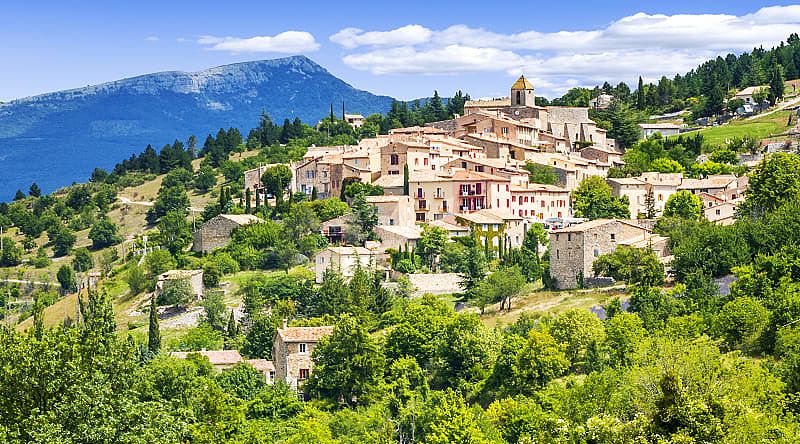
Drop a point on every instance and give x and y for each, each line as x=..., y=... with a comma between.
x=760, y=128
x=548, y=303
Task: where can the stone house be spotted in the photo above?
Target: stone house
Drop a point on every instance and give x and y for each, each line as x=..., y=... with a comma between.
x=345, y=259
x=574, y=249
x=538, y=202
x=394, y=210
x=722, y=214
x=216, y=232
x=726, y=186
x=396, y=236
x=222, y=360
x=194, y=277
x=291, y=353
x=355, y=120
x=636, y=191
x=497, y=229
x=333, y=229
x=663, y=185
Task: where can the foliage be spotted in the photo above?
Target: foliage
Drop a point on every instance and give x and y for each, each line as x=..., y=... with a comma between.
x=774, y=182
x=685, y=205
x=632, y=265
x=176, y=292
x=593, y=200
x=104, y=234
x=538, y=173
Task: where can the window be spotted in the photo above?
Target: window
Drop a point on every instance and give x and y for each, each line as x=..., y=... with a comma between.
x=485, y=227
x=479, y=168
x=425, y=161
x=391, y=221
x=505, y=130
x=569, y=237
x=272, y=375
x=613, y=237
x=420, y=217
x=303, y=374
x=718, y=212
x=558, y=254
x=394, y=159
x=303, y=347
x=596, y=252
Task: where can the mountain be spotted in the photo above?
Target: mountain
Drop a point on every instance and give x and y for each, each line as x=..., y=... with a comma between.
x=58, y=138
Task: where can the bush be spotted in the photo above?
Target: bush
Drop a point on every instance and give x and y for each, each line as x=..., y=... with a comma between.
x=176, y=292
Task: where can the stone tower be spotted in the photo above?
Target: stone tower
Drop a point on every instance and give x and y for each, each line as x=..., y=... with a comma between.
x=522, y=93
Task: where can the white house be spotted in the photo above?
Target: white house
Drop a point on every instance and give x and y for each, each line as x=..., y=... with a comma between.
x=666, y=129
x=345, y=259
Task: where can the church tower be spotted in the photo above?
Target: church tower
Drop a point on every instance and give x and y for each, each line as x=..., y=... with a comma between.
x=522, y=93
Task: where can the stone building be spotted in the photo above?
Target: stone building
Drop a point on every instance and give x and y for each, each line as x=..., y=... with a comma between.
x=216, y=232
x=345, y=259
x=394, y=210
x=636, y=192
x=291, y=353
x=498, y=229
x=574, y=249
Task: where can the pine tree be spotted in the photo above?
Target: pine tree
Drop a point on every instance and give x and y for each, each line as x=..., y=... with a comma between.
x=258, y=201
x=153, y=333
x=314, y=193
x=34, y=190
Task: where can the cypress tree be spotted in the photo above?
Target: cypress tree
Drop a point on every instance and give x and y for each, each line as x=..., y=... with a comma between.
x=247, y=196
x=153, y=333
x=232, y=330
x=640, y=94
x=405, y=180
x=258, y=201
x=314, y=193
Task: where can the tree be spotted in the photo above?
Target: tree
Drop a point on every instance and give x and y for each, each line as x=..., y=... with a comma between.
x=650, y=204
x=169, y=199
x=624, y=124
x=593, y=200
x=19, y=195
x=453, y=421
x=500, y=286
x=773, y=183
x=625, y=335
x=136, y=279
x=259, y=337
x=214, y=310
x=666, y=165
x=243, y=380
x=62, y=240
x=362, y=222
x=104, y=234
x=685, y=205
x=776, y=83
x=177, y=292
x=82, y=260
x=577, y=330
x=67, y=280
x=175, y=231
x=153, y=333
x=640, y=102
x=632, y=265
x=473, y=265
x=11, y=254
x=348, y=365
x=431, y=243
x=740, y=323
x=276, y=179
x=538, y=173
x=205, y=179
x=34, y=190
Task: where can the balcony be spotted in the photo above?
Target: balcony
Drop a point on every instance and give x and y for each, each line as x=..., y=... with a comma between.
x=471, y=192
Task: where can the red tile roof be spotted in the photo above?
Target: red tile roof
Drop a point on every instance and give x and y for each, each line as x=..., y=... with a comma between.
x=304, y=334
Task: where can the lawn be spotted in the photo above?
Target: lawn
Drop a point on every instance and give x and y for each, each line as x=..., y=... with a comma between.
x=759, y=128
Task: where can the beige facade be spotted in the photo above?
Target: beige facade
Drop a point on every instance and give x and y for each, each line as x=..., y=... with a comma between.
x=663, y=185
x=574, y=249
x=538, y=202
x=394, y=210
x=498, y=229
x=291, y=353
x=344, y=259
x=396, y=236
x=636, y=192
x=722, y=214
x=216, y=232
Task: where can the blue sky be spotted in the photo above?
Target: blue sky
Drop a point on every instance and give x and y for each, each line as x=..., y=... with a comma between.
x=404, y=49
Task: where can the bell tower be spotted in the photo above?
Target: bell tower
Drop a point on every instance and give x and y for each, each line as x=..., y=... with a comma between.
x=522, y=93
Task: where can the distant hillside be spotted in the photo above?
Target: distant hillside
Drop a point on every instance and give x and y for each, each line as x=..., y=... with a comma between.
x=57, y=138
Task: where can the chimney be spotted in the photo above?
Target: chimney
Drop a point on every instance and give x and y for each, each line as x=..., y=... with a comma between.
x=285, y=323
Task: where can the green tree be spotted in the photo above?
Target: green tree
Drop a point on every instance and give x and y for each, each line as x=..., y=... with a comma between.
x=276, y=179
x=259, y=337
x=405, y=180
x=175, y=231
x=624, y=124
x=632, y=265
x=740, y=323
x=473, y=265
x=82, y=260
x=169, y=199
x=685, y=205
x=67, y=280
x=592, y=199
x=62, y=239
x=348, y=365
x=776, y=83
x=11, y=253
x=176, y=292
x=214, y=310
x=538, y=173
x=34, y=190
x=243, y=380
x=153, y=332
x=625, y=336
x=577, y=330
x=362, y=222
x=500, y=286
x=104, y=234
x=431, y=243
x=136, y=279
x=665, y=165
x=453, y=421
x=773, y=183
x=205, y=179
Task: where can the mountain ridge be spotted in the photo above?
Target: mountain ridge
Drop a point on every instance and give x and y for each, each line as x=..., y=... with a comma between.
x=78, y=129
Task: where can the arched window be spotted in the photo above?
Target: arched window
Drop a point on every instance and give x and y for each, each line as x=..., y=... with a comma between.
x=519, y=97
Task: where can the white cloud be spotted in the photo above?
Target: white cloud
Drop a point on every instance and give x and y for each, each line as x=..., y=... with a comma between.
x=650, y=45
x=151, y=38
x=352, y=38
x=290, y=42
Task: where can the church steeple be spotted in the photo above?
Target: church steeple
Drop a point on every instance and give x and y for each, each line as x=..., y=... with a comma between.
x=522, y=92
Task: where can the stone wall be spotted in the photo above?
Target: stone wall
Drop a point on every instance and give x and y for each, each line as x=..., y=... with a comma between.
x=216, y=233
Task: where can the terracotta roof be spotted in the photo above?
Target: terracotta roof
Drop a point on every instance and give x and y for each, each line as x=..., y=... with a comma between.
x=382, y=199
x=522, y=83
x=304, y=334
x=505, y=101
x=389, y=181
x=720, y=181
x=216, y=357
x=489, y=216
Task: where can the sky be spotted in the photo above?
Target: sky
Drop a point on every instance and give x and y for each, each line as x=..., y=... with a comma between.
x=405, y=49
